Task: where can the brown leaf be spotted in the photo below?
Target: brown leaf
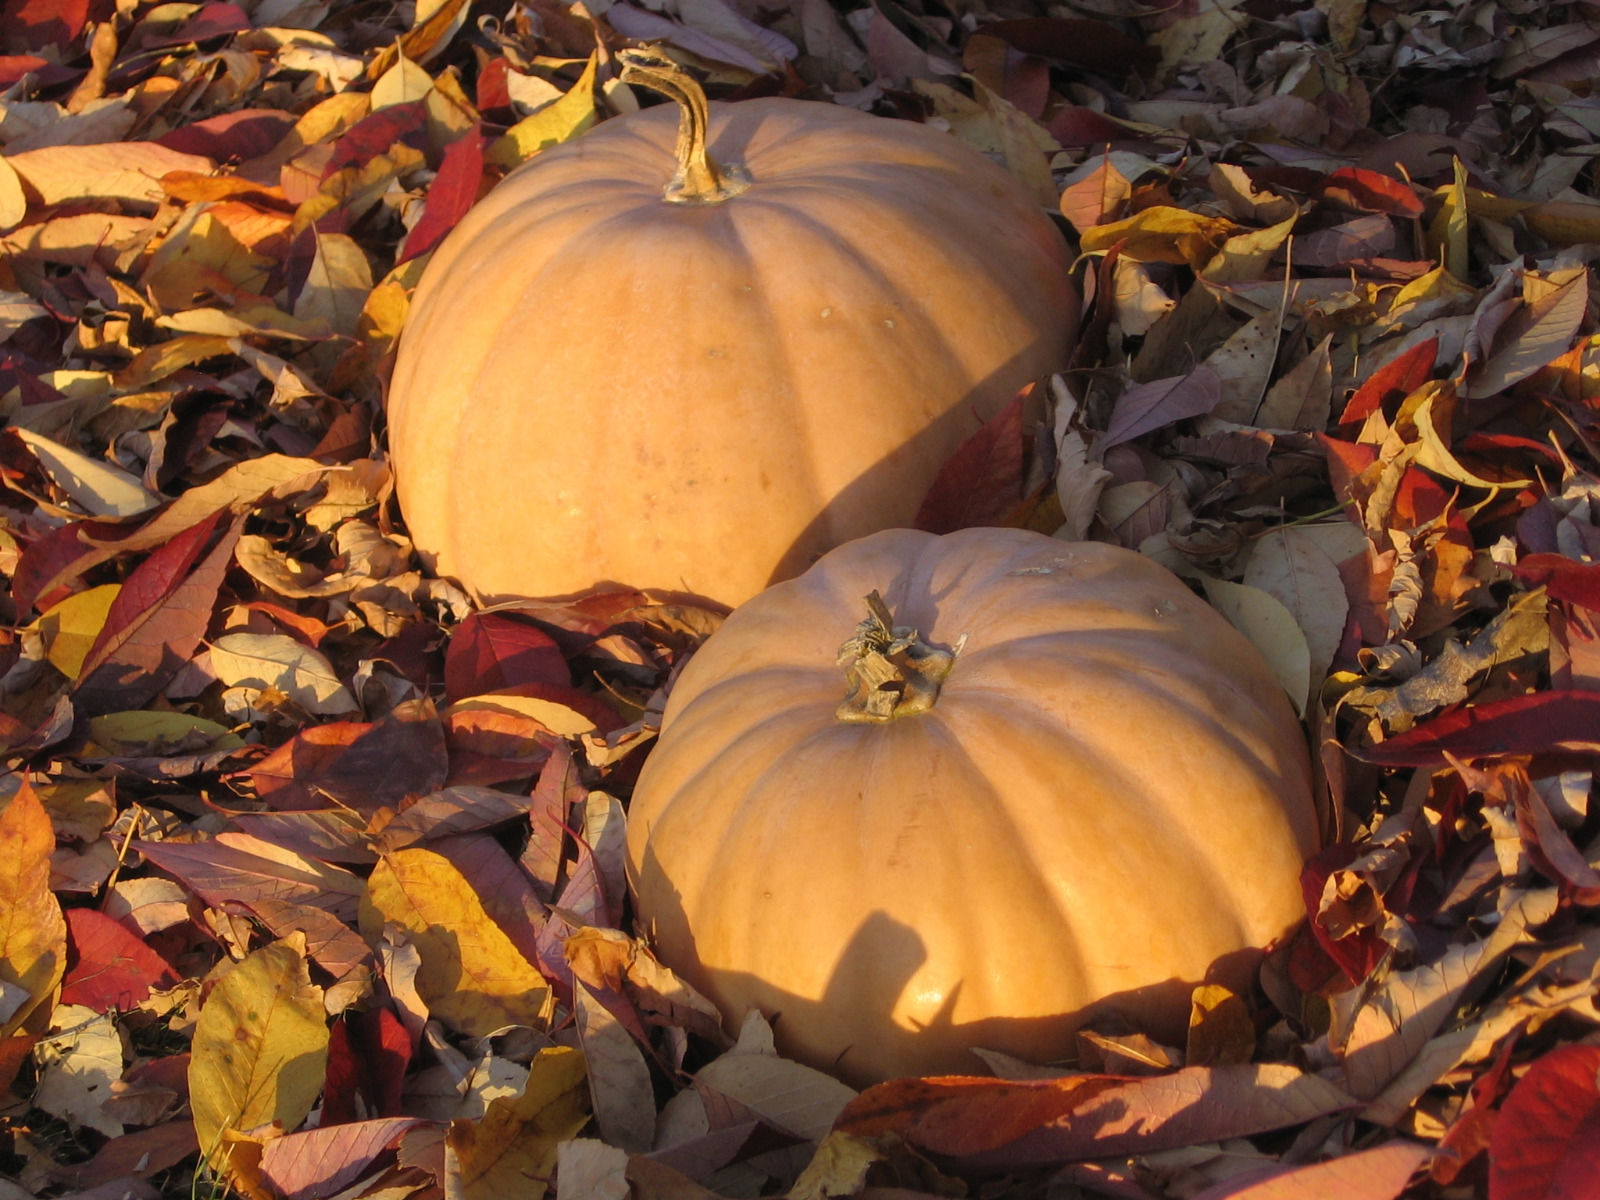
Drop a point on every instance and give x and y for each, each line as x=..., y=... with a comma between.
x=984, y=1123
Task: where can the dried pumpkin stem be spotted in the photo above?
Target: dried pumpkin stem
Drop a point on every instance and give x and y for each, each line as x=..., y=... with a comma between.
x=890, y=670
x=700, y=179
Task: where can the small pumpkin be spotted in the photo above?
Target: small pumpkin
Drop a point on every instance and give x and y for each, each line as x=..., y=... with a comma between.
x=632, y=363
x=1059, y=784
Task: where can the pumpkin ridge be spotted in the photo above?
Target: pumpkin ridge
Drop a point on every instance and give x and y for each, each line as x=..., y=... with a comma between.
x=1158, y=792
x=1064, y=920
x=956, y=258
x=775, y=409
x=866, y=268
x=1099, y=771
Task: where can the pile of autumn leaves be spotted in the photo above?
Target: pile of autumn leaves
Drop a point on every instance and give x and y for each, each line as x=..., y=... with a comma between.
x=1444, y=624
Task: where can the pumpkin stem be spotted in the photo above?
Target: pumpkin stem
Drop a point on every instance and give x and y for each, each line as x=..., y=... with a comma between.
x=890, y=670
x=700, y=179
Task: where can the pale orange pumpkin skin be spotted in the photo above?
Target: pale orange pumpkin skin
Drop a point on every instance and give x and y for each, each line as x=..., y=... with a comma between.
x=1109, y=802
x=597, y=385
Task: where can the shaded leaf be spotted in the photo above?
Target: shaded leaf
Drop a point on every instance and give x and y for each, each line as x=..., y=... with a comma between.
x=1546, y=1140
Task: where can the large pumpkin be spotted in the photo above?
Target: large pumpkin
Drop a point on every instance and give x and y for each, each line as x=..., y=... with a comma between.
x=1101, y=800
x=701, y=386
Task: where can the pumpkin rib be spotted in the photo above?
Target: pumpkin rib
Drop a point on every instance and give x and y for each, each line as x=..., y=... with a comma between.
x=1160, y=789
x=1143, y=830
x=983, y=294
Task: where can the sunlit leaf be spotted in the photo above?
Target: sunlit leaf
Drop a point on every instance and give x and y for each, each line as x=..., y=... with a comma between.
x=557, y=122
x=260, y=1047
x=471, y=977
x=33, y=934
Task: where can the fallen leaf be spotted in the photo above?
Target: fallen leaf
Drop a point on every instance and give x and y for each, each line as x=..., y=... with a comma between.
x=1272, y=628
x=260, y=1047
x=472, y=977
x=1546, y=1141
x=991, y=1123
x=1147, y=406
x=33, y=933
x=263, y=660
x=512, y=1150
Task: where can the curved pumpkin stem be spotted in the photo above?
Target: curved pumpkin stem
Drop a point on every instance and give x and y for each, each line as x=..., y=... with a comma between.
x=891, y=671
x=700, y=179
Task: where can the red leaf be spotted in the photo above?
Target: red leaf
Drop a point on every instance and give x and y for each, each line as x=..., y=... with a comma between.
x=1530, y=724
x=365, y=766
x=368, y=1053
x=1073, y=125
x=491, y=651
x=1368, y=191
x=982, y=481
x=44, y=564
x=114, y=967
x=231, y=137
x=454, y=190
x=1358, y=951
x=14, y=1051
x=36, y=24
x=1469, y=1134
x=14, y=66
x=1392, y=382
x=1566, y=579
x=492, y=89
x=211, y=21
x=156, y=621
x=373, y=135
x=1546, y=1140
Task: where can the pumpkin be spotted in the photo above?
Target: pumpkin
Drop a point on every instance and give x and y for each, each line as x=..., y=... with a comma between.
x=632, y=364
x=1059, y=785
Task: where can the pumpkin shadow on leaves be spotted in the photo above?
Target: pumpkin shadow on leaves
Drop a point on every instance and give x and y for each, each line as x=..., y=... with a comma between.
x=854, y=1032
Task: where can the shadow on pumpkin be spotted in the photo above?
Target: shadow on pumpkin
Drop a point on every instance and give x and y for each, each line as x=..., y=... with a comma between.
x=852, y=1030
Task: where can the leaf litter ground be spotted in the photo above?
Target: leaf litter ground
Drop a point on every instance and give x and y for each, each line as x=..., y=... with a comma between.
x=1338, y=369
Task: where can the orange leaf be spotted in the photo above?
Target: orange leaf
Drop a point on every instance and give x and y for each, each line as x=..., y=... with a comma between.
x=33, y=933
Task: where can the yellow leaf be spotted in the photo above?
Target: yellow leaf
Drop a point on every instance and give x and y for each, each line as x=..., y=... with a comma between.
x=1433, y=452
x=198, y=248
x=511, y=1151
x=260, y=1048
x=1263, y=619
x=148, y=732
x=1447, y=232
x=33, y=933
x=69, y=628
x=557, y=718
x=338, y=284
x=556, y=122
x=1221, y=1031
x=472, y=977
x=401, y=84
x=1245, y=257
x=1565, y=222
x=1162, y=234
x=1437, y=285
x=13, y=204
